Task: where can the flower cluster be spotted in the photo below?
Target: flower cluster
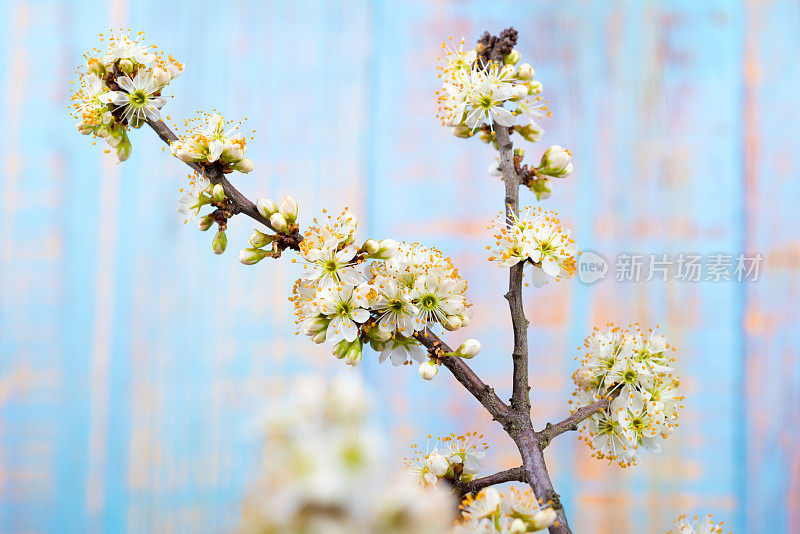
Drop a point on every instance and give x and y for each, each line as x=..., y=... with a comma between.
x=475, y=93
x=324, y=471
x=633, y=368
x=120, y=88
x=402, y=290
x=697, y=526
x=479, y=92
x=458, y=459
x=208, y=139
x=536, y=237
x=513, y=512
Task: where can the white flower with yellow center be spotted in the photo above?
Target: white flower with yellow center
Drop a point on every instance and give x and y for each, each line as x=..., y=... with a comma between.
x=333, y=267
x=137, y=98
x=437, y=297
x=347, y=308
x=537, y=237
x=467, y=449
x=478, y=96
x=121, y=46
x=395, y=311
x=208, y=141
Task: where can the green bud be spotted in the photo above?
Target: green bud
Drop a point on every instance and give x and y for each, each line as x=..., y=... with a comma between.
x=463, y=131
x=278, y=222
x=556, y=161
x=126, y=66
x=512, y=57
x=205, y=223
x=529, y=132
x=218, y=193
x=251, y=256
x=266, y=207
x=260, y=239
x=541, y=187
x=220, y=242
x=124, y=149
x=370, y=246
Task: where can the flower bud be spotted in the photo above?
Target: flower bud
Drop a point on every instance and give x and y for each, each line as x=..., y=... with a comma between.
x=427, y=370
x=556, y=161
x=205, y=223
x=220, y=242
x=244, y=165
x=315, y=325
x=543, y=519
x=437, y=464
x=525, y=72
x=466, y=317
x=519, y=153
x=530, y=132
x=84, y=128
x=174, y=70
x=370, y=246
x=353, y=355
x=319, y=337
x=161, y=76
x=124, y=149
x=260, y=239
x=520, y=92
x=469, y=348
x=277, y=221
x=540, y=187
x=463, y=131
x=451, y=322
x=517, y=526
x=387, y=249
x=376, y=333
x=218, y=193
x=126, y=66
x=535, y=87
x=288, y=208
x=349, y=351
x=250, y=256
x=266, y=207
x=512, y=57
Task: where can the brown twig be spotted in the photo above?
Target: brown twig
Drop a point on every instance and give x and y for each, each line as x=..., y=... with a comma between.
x=516, y=474
x=239, y=202
x=520, y=398
x=526, y=439
x=550, y=430
x=466, y=376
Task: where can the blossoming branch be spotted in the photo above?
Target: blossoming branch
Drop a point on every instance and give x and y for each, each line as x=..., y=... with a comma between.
x=400, y=299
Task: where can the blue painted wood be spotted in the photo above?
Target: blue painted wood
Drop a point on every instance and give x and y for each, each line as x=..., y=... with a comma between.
x=134, y=360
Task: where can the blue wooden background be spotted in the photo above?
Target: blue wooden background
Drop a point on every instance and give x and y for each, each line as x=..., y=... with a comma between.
x=132, y=360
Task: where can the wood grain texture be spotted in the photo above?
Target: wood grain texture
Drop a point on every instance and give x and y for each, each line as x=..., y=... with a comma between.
x=133, y=361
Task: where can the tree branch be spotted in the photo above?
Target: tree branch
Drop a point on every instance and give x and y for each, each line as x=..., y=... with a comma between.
x=520, y=396
x=466, y=376
x=516, y=474
x=239, y=202
x=550, y=431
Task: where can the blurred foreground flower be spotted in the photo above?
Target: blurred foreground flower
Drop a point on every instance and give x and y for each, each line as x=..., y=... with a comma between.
x=323, y=470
